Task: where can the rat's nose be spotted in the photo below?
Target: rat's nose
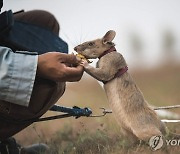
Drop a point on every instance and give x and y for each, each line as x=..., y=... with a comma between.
x=75, y=48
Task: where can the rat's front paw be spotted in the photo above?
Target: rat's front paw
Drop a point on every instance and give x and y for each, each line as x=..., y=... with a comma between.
x=84, y=63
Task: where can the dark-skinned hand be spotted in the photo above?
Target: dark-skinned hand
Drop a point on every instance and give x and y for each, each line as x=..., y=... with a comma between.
x=59, y=67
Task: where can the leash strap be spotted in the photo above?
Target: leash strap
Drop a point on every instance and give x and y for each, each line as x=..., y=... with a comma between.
x=69, y=112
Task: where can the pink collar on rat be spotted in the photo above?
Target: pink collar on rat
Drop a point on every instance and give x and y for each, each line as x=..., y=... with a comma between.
x=118, y=74
x=107, y=51
x=120, y=71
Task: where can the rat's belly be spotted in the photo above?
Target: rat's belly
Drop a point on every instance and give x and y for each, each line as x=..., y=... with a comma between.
x=113, y=94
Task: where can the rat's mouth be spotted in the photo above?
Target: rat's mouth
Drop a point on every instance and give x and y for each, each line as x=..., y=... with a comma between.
x=77, y=49
x=80, y=52
x=82, y=57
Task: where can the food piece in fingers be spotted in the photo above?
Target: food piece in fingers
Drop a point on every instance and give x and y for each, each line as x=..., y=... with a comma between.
x=80, y=56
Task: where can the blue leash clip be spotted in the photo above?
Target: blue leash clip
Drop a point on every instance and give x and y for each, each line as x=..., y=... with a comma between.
x=74, y=111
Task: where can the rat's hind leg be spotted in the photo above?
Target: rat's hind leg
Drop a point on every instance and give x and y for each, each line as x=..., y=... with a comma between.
x=145, y=133
x=129, y=136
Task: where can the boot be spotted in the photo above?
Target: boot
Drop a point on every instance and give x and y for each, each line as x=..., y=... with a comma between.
x=39, y=148
x=9, y=146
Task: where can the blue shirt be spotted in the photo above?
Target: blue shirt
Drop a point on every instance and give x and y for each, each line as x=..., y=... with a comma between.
x=17, y=75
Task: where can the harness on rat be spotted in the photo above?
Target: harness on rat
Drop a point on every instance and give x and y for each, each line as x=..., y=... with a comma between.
x=120, y=71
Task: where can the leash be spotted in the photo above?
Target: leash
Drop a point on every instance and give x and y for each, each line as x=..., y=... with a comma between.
x=78, y=112
x=69, y=112
x=75, y=111
x=167, y=107
x=170, y=121
x=87, y=112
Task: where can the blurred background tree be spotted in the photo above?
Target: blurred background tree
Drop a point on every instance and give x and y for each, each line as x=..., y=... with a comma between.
x=136, y=43
x=168, y=45
x=136, y=48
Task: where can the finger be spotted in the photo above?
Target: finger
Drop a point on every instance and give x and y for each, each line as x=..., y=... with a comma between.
x=81, y=65
x=74, y=70
x=72, y=73
x=65, y=58
x=78, y=59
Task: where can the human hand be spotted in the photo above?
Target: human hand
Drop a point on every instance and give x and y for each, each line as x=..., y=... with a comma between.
x=59, y=67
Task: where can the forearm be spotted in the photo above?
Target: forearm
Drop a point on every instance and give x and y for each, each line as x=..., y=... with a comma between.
x=17, y=75
x=98, y=73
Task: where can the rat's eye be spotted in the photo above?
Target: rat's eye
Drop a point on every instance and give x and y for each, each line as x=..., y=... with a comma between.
x=91, y=44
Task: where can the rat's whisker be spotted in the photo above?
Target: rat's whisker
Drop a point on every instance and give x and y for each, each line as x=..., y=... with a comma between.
x=85, y=36
x=67, y=37
x=81, y=35
x=76, y=38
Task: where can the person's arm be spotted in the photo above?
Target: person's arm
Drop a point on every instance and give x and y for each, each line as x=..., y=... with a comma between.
x=17, y=75
x=18, y=72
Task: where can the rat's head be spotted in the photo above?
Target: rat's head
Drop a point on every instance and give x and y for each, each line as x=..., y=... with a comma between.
x=93, y=49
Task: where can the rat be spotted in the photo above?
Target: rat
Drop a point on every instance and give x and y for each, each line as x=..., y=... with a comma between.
x=136, y=118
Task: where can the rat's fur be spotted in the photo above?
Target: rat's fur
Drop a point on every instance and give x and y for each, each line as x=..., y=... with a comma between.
x=131, y=110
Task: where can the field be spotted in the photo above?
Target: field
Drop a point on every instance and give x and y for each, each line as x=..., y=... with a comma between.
x=160, y=86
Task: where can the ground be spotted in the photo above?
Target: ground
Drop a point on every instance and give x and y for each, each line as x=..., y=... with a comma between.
x=160, y=86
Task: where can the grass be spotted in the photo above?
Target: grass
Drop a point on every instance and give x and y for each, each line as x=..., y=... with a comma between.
x=98, y=142
x=160, y=86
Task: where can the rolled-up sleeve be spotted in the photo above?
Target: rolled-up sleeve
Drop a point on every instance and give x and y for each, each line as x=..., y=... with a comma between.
x=17, y=75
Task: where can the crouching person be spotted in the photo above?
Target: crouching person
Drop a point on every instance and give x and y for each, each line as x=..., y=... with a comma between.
x=31, y=83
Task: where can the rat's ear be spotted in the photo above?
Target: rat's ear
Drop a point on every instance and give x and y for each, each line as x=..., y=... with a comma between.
x=109, y=36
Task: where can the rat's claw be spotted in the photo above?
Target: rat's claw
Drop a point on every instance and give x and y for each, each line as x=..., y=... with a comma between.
x=84, y=63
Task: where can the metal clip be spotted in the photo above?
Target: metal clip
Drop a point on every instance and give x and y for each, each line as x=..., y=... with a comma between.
x=104, y=113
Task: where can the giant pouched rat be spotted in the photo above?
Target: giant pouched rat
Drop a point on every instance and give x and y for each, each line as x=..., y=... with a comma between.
x=131, y=110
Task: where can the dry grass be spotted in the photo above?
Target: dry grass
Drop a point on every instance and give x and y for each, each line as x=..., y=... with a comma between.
x=160, y=86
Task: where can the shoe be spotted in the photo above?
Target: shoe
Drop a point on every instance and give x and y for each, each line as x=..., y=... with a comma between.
x=9, y=146
x=35, y=149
